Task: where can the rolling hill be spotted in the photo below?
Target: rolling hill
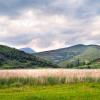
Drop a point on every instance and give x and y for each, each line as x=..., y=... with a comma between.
x=13, y=58
x=74, y=56
x=78, y=56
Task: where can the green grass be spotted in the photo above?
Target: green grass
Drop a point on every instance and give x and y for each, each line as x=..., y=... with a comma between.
x=49, y=88
x=72, y=91
x=43, y=81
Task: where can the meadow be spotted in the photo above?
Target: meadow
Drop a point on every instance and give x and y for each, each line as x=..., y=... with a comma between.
x=50, y=84
x=76, y=91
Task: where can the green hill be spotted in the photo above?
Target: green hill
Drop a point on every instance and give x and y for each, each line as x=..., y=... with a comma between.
x=78, y=56
x=59, y=55
x=13, y=58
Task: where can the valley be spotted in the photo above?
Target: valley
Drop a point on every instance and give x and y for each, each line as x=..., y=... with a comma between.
x=50, y=75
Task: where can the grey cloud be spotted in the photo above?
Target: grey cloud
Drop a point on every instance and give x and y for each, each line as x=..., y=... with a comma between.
x=17, y=40
x=42, y=40
x=89, y=9
x=15, y=7
x=86, y=10
x=84, y=13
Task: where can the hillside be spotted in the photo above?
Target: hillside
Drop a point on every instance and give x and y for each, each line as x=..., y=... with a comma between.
x=73, y=56
x=63, y=54
x=78, y=56
x=13, y=58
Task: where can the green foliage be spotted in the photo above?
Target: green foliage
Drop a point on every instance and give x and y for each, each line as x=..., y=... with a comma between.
x=86, y=59
x=13, y=58
x=78, y=56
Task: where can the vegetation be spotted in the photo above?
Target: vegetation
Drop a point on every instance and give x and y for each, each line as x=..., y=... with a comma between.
x=50, y=84
x=43, y=81
x=76, y=91
x=9, y=78
x=72, y=85
x=13, y=58
x=78, y=56
x=77, y=63
x=19, y=82
x=56, y=84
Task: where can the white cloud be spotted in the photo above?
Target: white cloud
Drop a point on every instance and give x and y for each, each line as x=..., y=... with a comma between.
x=38, y=26
x=95, y=26
x=48, y=29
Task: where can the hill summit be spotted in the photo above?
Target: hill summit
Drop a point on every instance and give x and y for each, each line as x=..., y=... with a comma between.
x=70, y=56
x=13, y=58
x=28, y=50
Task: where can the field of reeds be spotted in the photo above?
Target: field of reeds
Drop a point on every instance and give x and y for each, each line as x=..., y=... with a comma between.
x=11, y=78
x=50, y=84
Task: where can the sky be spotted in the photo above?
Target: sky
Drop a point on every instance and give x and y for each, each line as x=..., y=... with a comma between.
x=49, y=24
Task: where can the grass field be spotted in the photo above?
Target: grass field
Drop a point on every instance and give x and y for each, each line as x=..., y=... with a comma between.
x=76, y=91
x=35, y=73
x=50, y=84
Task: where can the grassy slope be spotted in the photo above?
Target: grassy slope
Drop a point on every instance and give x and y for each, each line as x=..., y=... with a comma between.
x=76, y=91
x=63, y=54
x=85, y=53
x=13, y=58
x=90, y=54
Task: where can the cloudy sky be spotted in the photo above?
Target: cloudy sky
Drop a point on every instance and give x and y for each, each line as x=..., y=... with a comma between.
x=49, y=24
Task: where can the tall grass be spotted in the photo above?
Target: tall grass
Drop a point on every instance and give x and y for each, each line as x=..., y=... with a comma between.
x=19, y=78
x=20, y=82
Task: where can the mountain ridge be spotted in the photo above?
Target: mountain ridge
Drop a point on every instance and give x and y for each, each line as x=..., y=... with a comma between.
x=77, y=56
x=85, y=53
x=14, y=58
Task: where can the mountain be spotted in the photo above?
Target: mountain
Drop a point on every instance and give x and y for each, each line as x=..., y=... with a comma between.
x=78, y=56
x=13, y=58
x=63, y=54
x=28, y=50
x=74, y=56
